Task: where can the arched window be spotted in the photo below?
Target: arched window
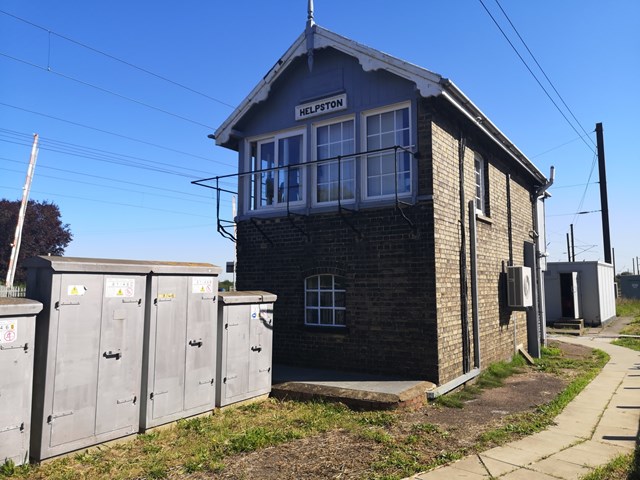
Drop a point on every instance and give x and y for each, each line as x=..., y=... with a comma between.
x=324, y=301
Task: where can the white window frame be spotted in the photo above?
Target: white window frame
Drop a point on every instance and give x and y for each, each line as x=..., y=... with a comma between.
x=363, y=135
x=314, y=155
x=480, y=193
x=317, y=309
x=255, y=185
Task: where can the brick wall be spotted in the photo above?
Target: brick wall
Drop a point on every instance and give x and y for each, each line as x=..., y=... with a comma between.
x=497, y=322
x=390, y=290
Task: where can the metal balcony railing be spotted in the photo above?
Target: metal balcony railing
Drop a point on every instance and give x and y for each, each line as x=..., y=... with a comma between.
x=282, y=192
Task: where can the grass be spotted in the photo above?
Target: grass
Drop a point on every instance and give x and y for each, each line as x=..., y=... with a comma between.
x=202, y=445
x=528, y=423
x=621, y=467
x=492, y=377
x=629, y=308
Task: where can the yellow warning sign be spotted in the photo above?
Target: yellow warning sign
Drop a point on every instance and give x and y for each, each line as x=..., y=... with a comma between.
x=119, y=294
x=75, y=290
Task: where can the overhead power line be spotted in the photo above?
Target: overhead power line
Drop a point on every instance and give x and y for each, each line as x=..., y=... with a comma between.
x=533, y=74
x=113, y=57
x=543, y=72
x=105, y=90
x=76, y=197
x=119, y=135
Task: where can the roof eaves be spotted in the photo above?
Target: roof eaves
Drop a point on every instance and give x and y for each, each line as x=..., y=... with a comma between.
x=455, y=96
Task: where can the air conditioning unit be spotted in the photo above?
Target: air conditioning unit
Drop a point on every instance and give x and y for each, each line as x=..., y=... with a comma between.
x=519, y=287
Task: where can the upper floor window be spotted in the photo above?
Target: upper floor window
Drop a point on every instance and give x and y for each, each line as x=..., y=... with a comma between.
x=324, y=300
x=480, y=184
x=335, y=179
x=389, y=171
x=278, y=180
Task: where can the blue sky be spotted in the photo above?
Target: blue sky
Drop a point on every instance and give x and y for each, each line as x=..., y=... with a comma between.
x=120, y=164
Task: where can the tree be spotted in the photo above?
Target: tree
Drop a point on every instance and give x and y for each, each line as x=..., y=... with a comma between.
x=43, y=233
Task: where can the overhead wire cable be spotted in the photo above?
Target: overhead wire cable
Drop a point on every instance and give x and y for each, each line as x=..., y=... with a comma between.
x=119, y=135
x=101, y=177
x=588, y=135
x=124, y=62
x=105, y=90
x=93, y=153
x=584, y=193
x=76, y=197
x=533, y=74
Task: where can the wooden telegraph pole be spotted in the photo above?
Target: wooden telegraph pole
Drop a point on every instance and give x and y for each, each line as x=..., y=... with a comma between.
x=15, y=247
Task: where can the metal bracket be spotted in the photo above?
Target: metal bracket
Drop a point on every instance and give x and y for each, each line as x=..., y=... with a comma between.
x=133, y=400
x=256, y=349
x=13, y=427
x=24, y=347
x=262, y=232
x=110, y=354
x=195, y=343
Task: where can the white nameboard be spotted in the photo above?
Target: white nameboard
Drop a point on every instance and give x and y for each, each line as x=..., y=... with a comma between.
x=320, y=107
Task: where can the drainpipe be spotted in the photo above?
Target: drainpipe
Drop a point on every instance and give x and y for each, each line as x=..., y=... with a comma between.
x=541, y=251
x=473, y=242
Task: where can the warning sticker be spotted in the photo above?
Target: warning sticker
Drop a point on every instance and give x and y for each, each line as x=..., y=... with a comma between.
x=75, y=290
x=166, y=296
x=202, y=284
x=255, y=312
x=8, y=331
x=119, y=287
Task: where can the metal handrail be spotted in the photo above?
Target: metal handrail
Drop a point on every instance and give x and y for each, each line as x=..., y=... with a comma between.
x=222, y=225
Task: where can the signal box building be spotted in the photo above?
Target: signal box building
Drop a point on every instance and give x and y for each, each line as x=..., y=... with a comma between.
x=384, y=209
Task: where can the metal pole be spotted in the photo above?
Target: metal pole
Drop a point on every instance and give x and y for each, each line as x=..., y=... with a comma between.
x=613, y=256
x=573, y=246
x=604, y=202
x=15, y=247
x=568, y=249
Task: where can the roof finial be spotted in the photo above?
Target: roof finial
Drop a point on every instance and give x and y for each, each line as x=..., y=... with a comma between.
x=310, y=21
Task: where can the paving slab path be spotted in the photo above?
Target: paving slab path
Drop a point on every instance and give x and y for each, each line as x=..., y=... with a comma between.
x=599, y=424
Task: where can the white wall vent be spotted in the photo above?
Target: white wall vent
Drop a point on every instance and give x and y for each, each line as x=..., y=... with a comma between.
x=519, y=287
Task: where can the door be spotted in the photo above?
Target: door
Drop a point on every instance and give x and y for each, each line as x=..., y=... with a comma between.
x=569, y=294
x=236, y=360
x=16, y=362
x=201, y=343
x=75, y=381
x=170, y=340
x=261, y=329
x=120, y=354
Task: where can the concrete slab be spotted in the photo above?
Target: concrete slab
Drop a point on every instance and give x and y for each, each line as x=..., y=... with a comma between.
x=448, y=473
x=511, y=455
x=589, y=454
x=525, y=474
x=355, y=389
x=495, y=467
x=471, y=464
x=560, y=469
x=545, y=443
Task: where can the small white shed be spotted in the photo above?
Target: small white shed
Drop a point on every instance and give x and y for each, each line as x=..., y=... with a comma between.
x=580, y=290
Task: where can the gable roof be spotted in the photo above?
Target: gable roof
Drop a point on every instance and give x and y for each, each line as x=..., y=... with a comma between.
x=427, y=82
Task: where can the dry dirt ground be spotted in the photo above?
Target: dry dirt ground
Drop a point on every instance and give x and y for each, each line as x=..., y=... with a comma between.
x=339, y=454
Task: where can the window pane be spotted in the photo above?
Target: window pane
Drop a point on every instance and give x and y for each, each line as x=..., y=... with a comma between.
x=326, y=316
x=267, y=180
x=373, y=142
x=326, y=282
x=387, y=164
x=323, y=193
x=323, y=152
x=373, y=124
x=335, y=150
x=348, y=147
x=388, y=184
x=402, y=118
x=338, y=283
x=335, y=132
x=348, y=189
x=326, y=299
x=387, y=122
x=339, y=299
x=340, y=317
x=312, y=316
x=323, y=135
x=373, y=187
x=312, y=299
x=387, y=140
x=312, y=282
x=373, y=165
x=347, y=170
